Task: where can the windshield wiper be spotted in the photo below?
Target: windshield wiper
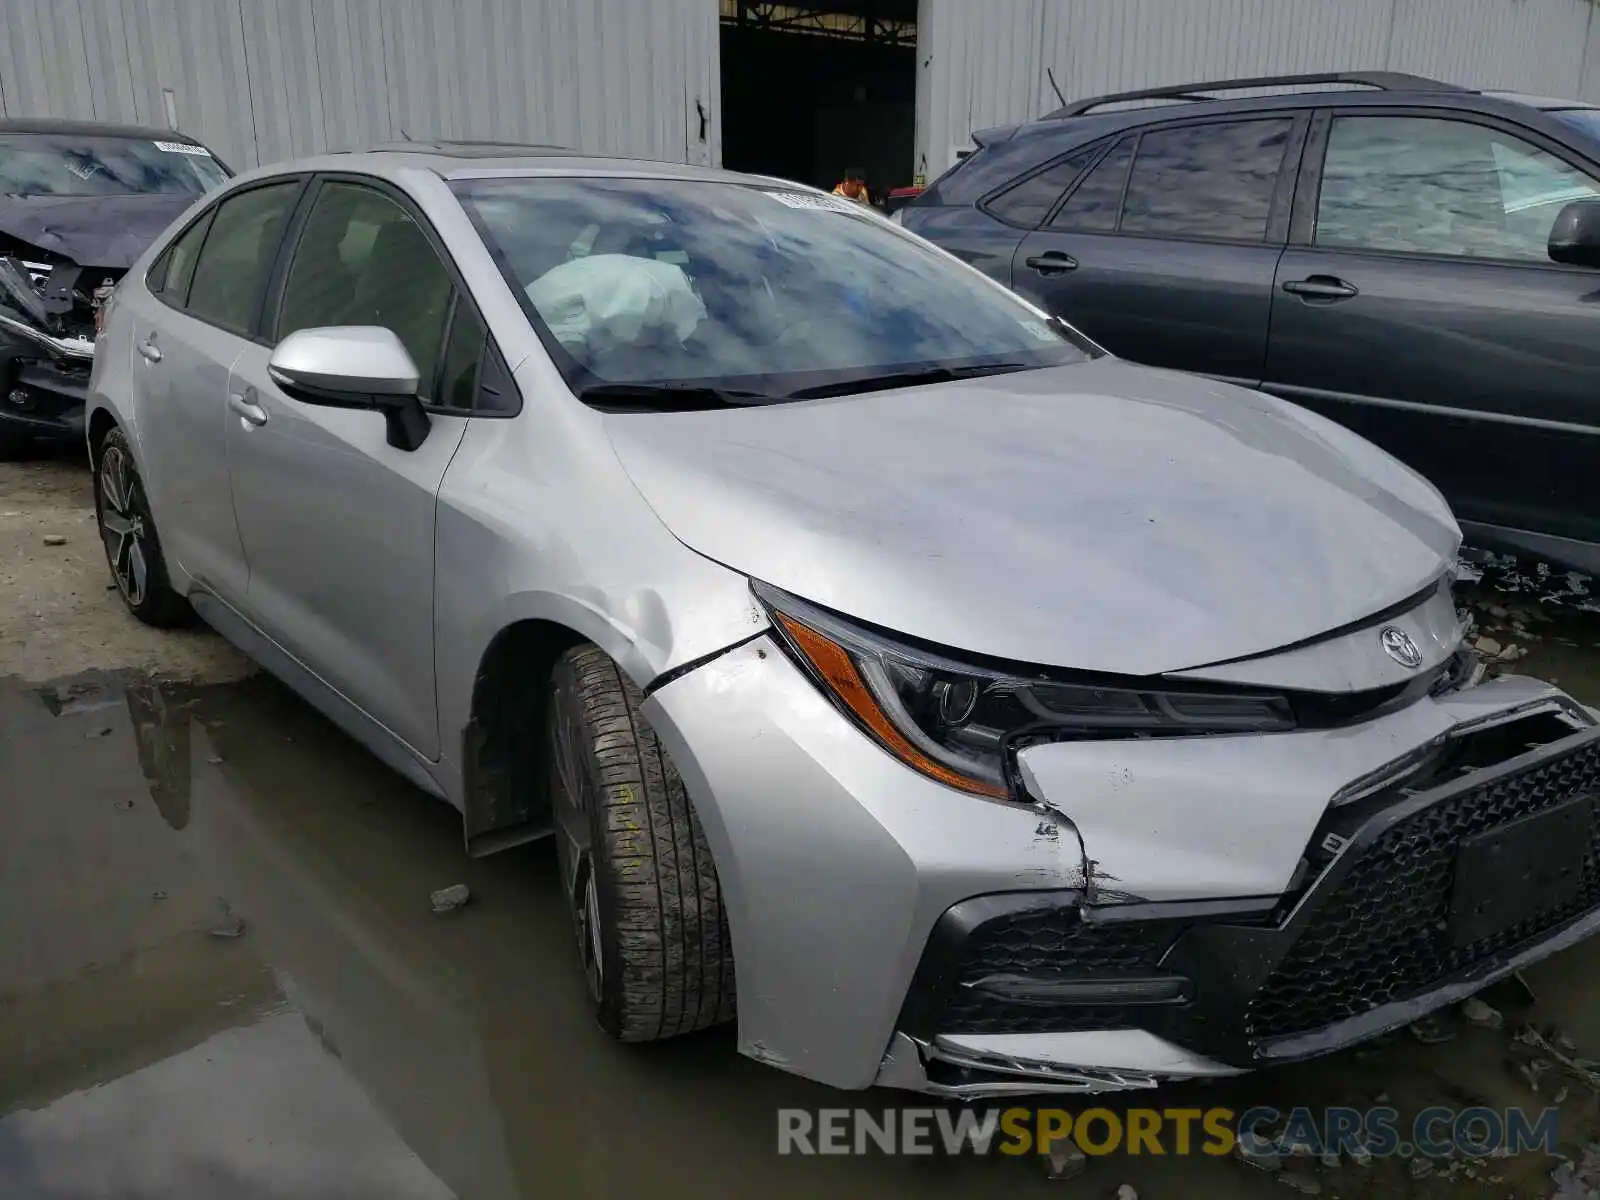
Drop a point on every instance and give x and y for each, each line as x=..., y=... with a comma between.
x=898, y=379
x=665, y=396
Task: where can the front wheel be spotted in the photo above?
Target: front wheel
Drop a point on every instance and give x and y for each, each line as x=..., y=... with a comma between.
x=133, y=551
x=636, y=871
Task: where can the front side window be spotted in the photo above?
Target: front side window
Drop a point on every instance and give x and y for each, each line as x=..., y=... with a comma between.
x=1423, y=185
x=363, y=260
x=237, y=255
x=1212, y=181
x=1025, y=204
x=761, y=289
x=63, y=164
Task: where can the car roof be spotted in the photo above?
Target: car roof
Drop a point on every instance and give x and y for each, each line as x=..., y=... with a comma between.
x=1283, y=91
x=1543, y=103
x=93, y=129
x=498, y=160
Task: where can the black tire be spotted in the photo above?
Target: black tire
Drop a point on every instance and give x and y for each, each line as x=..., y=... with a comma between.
x=635, y=868
x=128, y=532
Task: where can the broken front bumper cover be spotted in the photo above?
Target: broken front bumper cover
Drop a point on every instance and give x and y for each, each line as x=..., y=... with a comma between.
x=44, y=382
x=74, y=348
x=838, y=864
x=1415, y=899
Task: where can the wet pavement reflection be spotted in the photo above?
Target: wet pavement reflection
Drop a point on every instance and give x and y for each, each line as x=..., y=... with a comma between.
x=220, y=977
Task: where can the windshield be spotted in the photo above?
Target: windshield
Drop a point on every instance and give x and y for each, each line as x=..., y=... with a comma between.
x=58, y=164
x=759, y=292
x=1586, y=119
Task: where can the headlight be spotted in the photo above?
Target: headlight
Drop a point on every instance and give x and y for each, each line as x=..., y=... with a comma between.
x=961, y=723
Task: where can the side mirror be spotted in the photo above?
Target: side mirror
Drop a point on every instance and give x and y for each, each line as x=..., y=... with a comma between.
x=354, y=366
x=1575, y=237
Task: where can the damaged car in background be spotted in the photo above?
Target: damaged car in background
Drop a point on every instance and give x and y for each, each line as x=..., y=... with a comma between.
x=78, y=203
x=958, y=707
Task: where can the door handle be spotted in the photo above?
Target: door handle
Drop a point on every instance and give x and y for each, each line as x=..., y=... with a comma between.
x=249, y=412
x=1052, y=262
x=1320, y=287
x=150, y=350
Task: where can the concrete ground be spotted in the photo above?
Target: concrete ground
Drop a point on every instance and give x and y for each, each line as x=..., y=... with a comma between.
x=220, y=974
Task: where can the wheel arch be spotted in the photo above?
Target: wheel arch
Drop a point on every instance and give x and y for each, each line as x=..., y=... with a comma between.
x=101, y=422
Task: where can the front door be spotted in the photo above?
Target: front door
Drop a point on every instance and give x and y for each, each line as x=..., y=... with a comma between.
x=1164, y=252
x=337, y=524
x=1423, y=311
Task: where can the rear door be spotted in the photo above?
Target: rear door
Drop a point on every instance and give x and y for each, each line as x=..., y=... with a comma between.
x=1164, y=250
x=1419, y=307
x=337, y=524
x=188, y=334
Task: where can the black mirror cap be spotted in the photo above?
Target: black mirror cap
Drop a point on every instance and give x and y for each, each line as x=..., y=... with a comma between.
x=406, y=422
x=1575, y=237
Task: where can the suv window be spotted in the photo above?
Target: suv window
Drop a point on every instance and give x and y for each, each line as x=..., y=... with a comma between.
x=1206, y=181
x=237, y=256
x=1027, y=202
x=1095, y=203
x=1425, y=185
x=362, y=260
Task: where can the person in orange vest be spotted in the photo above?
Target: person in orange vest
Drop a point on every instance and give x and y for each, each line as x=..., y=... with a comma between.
x=854, y=186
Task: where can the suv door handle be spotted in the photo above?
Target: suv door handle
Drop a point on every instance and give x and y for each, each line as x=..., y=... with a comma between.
x=150, y=350
x=1320, y=287
x=249, y=412
x=1052, y=262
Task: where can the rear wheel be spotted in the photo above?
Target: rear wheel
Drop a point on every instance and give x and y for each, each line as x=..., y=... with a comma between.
x=133, y=551
x=637, y=873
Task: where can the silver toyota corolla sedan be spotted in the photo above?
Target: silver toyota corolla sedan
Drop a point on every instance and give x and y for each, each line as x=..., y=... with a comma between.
x=984, y=713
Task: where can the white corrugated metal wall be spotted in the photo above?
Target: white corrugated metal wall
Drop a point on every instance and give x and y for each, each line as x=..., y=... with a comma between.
x=983, y=63
x=260, y=80
x=265, y=79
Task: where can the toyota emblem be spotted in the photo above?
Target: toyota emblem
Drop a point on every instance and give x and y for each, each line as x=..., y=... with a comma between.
x=1397, y=644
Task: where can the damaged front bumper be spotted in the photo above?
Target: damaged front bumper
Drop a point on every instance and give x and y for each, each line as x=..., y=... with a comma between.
x=44, y=375
x=1225, y=903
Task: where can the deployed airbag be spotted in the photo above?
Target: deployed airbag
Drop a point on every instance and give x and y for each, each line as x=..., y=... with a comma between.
x=607, y=300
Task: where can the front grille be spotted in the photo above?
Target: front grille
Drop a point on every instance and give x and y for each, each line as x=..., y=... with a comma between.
x=1382, y=935
x=1041, y=943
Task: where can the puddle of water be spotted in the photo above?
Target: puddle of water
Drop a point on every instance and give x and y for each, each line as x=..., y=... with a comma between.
x=350, y=1043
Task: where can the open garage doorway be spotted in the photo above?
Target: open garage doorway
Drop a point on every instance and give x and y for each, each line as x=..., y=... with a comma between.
x=813, y=87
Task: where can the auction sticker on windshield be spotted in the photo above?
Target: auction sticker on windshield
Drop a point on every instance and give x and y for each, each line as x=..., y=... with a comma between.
x=183, y=148
x=806, y=200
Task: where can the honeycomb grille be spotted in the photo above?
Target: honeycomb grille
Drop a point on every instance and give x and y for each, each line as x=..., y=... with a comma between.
x=1043, y=943
x=1382, y=935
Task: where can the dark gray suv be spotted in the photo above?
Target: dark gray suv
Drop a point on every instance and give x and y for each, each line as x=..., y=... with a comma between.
x=1415, y=260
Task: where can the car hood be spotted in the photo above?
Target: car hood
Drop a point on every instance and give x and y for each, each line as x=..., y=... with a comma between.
x=1100, y=516
x=93, y=231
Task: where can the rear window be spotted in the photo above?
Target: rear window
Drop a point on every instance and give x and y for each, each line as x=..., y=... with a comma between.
x=61, y=164
x=995, y=165
x=1025, y=204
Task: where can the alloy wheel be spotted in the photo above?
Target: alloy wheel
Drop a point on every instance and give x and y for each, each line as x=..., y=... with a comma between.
x=575, y=831
x=122, y=525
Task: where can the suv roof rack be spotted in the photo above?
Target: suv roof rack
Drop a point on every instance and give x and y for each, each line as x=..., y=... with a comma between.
x=1385, y=81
